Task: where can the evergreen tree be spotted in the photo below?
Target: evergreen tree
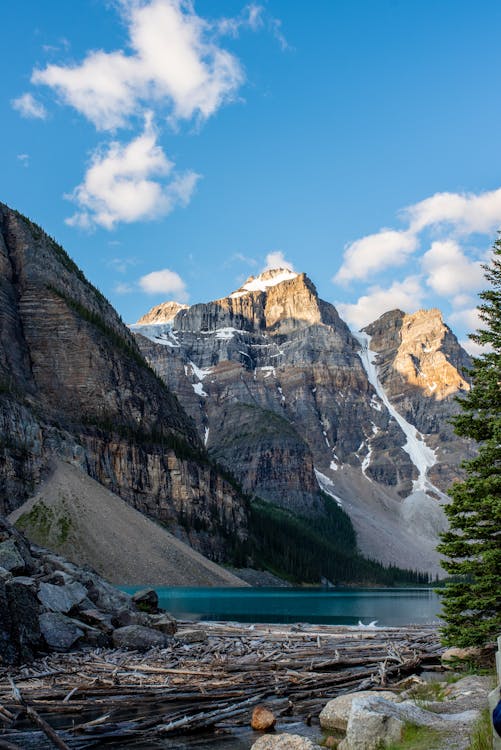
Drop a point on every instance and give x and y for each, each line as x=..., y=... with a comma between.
x=472, y=546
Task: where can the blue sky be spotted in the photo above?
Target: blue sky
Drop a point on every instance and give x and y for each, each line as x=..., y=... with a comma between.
x=176, y=148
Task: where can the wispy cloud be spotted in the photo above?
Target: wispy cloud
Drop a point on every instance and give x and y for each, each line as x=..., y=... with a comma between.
x=122, y=265
x=164, y=281
x=29, y=107
x=176, y=64
x=132, y=182
x=24, y=159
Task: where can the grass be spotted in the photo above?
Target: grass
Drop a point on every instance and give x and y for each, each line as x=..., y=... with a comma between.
x=417, y=738
x=481, y=737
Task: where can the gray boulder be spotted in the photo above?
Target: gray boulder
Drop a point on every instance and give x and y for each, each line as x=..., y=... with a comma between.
x=283, y=742
x=146, y=600
x=24, y=608
x=60, y=632
x=336, y=712
x=139, y=638
x=376, y=722
x=191, y=635
x=164, y=622
x=61, y=598
x=11, y=558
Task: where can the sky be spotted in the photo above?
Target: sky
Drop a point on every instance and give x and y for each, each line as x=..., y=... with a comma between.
x=175, y=148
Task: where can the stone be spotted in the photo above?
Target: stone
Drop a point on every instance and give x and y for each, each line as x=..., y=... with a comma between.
x=146, y=600
x=262, y=719
x=331, y=741
x=10, y=557
x=60, y=632
x=94, y=617
x=139, y=638
x=164, y=622
x=130, y=617
x=283, y=742
x=375, y=722
x=61, y=598
x=192, y=635
x=24, y=610
x=452, y=656
x=336, y=712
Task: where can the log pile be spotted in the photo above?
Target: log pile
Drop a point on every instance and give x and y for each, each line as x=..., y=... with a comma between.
x=117, y=698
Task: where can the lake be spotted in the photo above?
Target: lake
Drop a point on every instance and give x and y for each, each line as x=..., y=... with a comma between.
x=337, y=606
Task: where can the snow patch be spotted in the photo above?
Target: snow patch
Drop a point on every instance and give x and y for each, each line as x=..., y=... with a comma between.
x=333, y=466
x=198, y=388
x=198, y=372
x=159, y=333
x=261, y=285
x=420, y=454
x=206, y=436
x=327, y=486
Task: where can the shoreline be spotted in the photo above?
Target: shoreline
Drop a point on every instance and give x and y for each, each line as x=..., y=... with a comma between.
x=209, y=679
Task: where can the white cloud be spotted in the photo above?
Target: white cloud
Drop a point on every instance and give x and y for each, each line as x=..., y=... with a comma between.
x=276, y=259
x=29, y=107
x=475, y=349
x=452, y=214
x=406, y=295
x=374, y=252
x=122, y=264
x=469, y=318
x=164, y=282
x=449, y=271
x=467, y=212
x=176, y=63
x=119, y=185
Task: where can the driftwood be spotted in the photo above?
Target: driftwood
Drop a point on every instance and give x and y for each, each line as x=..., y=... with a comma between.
x=121, y=698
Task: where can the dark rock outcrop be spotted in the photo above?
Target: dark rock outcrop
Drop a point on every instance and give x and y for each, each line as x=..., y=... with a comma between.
x=74, y=384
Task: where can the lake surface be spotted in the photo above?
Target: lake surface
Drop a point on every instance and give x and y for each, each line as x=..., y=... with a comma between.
x=338, y=606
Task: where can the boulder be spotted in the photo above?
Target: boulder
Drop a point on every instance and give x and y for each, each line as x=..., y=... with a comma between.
x=10, y=557
x=336, y=712
x=262, y=719
x=139, y=638
x=283, y=742
x=164, y=622
x=60, y=632
x=24, y=608
x=375, y=722
x=453, y=656
x=146, y=600
x=130, y=617
x=97, y=619
x=191, y=635
x=61, y=598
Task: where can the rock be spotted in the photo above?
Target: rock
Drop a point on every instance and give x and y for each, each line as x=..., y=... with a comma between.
x=10, y=557
x=331, y=741
x=60, y=632
x=146, y=600
x=193, y=635
x=61, y=598
x=452, y=656
x=129, y=617
x=336, y=712
x=24, y=609
x=164, y=622
x=105, y=596
x=375, y=722
x=262, y=719
x=283, y=742
x=97, y=619
x=139, y=638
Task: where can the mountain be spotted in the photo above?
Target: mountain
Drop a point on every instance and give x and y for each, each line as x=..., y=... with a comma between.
x=74, y=385
x=294, y=404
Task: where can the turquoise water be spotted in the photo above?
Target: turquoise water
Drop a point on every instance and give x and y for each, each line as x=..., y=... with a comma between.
x=390, y=607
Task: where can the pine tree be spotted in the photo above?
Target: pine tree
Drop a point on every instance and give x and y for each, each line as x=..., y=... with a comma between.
x=472, y=604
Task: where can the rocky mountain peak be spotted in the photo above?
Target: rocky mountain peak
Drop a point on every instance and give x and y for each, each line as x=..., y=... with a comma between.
x=264, y=281
x=424, y=351
x=165, y=312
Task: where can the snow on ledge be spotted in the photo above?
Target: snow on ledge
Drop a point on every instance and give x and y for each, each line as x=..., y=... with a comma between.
x=261, y=285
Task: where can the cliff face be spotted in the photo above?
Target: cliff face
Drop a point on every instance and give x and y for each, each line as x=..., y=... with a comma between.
x=282, y=395
x=423, y=368
x=74, y=384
